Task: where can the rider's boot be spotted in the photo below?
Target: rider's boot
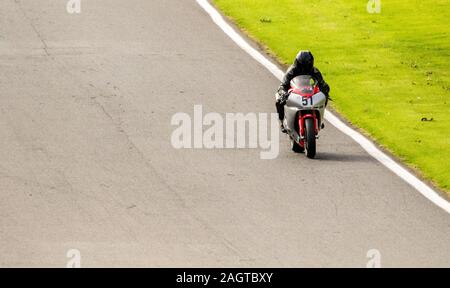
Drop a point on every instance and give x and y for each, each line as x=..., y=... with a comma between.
x=282, y=128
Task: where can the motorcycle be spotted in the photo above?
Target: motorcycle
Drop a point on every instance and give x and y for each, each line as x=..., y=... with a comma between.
x=304, y=113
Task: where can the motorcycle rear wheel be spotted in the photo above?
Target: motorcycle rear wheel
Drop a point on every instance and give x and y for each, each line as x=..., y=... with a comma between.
x=296, y=148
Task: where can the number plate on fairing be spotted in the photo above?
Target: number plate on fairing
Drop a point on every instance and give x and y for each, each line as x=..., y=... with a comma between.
x=316, y=101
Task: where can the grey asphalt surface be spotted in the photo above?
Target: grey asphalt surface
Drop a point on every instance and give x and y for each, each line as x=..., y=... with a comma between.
x=86, y=160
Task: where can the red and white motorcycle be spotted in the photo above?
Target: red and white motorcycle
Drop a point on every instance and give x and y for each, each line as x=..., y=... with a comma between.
x=304, y=112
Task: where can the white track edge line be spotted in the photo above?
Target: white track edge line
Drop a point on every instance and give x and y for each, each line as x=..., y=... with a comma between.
x=366, y=144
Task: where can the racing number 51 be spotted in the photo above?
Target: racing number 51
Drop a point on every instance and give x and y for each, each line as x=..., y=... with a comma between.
x=305, y=101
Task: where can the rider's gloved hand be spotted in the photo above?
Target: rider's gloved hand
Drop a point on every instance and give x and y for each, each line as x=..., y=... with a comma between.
x=283, y=97
x=328, y=99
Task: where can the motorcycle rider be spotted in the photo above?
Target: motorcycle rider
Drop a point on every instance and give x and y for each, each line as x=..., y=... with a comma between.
x=303, y=65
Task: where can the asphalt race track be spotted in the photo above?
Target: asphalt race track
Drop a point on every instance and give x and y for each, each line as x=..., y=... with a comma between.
x=86, y=160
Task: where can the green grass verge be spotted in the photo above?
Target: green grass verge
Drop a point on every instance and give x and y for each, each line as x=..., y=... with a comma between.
x=387, y=71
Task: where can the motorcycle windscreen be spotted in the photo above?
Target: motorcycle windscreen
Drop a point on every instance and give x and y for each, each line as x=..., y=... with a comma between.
x=305, y=84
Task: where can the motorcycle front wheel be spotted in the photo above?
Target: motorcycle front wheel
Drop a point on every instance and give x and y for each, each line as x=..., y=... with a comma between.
x=310, y=138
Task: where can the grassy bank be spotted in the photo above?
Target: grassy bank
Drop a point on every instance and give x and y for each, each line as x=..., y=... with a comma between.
x=389, y=72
